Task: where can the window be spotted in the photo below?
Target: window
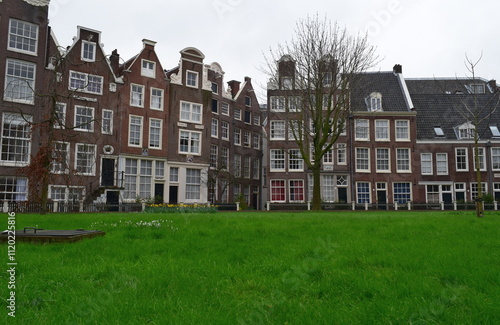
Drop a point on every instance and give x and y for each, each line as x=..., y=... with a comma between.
x=295, y=130
x=363, y=192
x=277, y=130
x=19, y=82
x=215, y=106
x=190, y=142
x=237, y=114
x=145, y=179
x=191, y=112
x=426, y=163
x=247, y=138
x=433, y=194
x=256, y=119
x=482, y=167
x=328, y=157
x=13, y=188
x=476, y=88
x=224, y=130
x=60, y=158
x=60, y=116
x=278, y=190
x=224, y=191
x=256, y=168
x=462, y=159
x=246, y=166
x=87, y=83
x=277, y=103
x=157, y=99
x=66, y=193
x=192, y=79
x=465, y=131
x=247, y=117
x=277, y=160
x=107, y=121
x=215, y=88
x=224, y=158
x=474, y=190
x=495, y=158
x=362, y=130
x=294, y=104
x=137, y=95
x=16, y=138
x=148, y=69
x=383, y=162
x=327, y=188
x=84, y=118
x=494, y=131
x=402, y=130
x=382, y=130
x=438, y=131
x=327, y=79
x=295, y=161
x=155, y=133
x=362, y=159
x=135, y=131
x=403, y=160
x=237, y=165
x=256, y=141
x=286, y=83
x=160, y=170
x=214, y=155
x=248, y=101
x=341, y=154
x=296, y=187
x=237, y=136
x=374, y=102
x=88, y=51
x=85, y=159
x=215, y=128
x=402, y=192
x=193, y=184
x=174, y=174
x=23, y=36
x=442, y=164
x=224, y=109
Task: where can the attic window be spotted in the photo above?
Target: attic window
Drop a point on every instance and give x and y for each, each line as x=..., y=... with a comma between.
x=465, y=131
x=476, y=88
x=148, y=69
x=374, y=102
x=494, y=131
x=286, y=82
x=88, y=51
x=439, y=131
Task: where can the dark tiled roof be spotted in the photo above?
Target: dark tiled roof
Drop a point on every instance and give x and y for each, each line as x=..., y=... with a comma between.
x=447, y=111
x=446, y=85
x=388, y=84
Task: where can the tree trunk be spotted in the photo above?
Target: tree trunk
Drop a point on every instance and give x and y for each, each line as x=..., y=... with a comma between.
x=316, y=202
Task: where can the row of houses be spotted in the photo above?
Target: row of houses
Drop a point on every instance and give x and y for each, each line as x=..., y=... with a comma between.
x=122, y=130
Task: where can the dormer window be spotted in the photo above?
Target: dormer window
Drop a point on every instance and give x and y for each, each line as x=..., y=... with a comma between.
x=286, y=82
x=327, y=79
x=374, y=102
x=476, y=88
x=494, y=131
x=88, y=51
x=465, y=131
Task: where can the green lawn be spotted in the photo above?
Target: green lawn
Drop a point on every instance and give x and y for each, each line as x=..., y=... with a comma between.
x=261, y=268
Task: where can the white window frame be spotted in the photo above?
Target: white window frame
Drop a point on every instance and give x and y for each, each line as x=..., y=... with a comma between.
x=388, y=158
x=385, y=130
x=466, y=160
x=87, y=125
x=225, y=131
x=398, y=130
x=92, y=46
x=237, y=113
x=60, y=115
x=273, y=186
x=341, y=154
x=398, y=160
x=495, y=158
x=361, y=200
x=158, y=143
x=137, y=95
x=189, y=80
x=214, y=129
x=188, y=113
x=20, y=39
x=358, y=158
x=291, y=188
x=429, y=161
x=91, y=169
x=149, y=70
x=107, y=122
x=362, y=136
x=482, y=164
x=442, y=163
x=12, y=145
x=277, y=157
x=156, y=98
x=63, y=153
x=191, y=142
x=277, y=103
x=85, y=82
x=295, y=161
x=18, y=80
x=140, y=131
x=277, y=130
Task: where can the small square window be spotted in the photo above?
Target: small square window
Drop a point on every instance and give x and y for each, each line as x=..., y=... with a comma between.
x=148, y=69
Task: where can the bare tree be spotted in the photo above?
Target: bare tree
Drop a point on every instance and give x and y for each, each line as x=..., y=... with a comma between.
x=316, y=69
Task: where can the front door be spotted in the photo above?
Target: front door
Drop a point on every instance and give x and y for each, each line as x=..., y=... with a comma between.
x=382, y=196
x=342, y=194
x=159, y=192
x=113, y=200
x=173, y=194
x=108, y=172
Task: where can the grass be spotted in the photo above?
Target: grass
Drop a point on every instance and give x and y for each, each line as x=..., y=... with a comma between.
x=262, y=268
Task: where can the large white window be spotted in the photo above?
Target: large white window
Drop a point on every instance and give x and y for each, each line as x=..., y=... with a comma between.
x=277, y=160
x=146, y=179
x=16, y=138
x=191, y=112
x=296, y=189
x=403, y=160
x=224, y=130
x=256, y=168
x=137, y=95
x=88, y=51
x=214, y=155
x=215, y=128
x=19, y=81
x=155, y=133
x=363, y=192
x=482, y=166
x=402, y=130
x=157, y=99
x=23, y=36
x=278, y=190
x=328, y=188
x=495, y=158
x=13, y=188
x=362, y=159
x=139, y=175
x=192, y=79
x=66, y=193
x=84, y=82
x=84, y=118
x=224, y=158
x=402, y=192
x=85, y=159
x=237, y=165
x=362, y=130
x=462, y=159
x=381, y=130
x=426, y=163
x=442, y=164
x=148, y=69
x=277, y=130
x=383, y=160
x=190, y=142
x=295, y=161
x=246, y=166
x=341, y=154
x=193, y=184
x=60, y=158
x=135, y=131
x=277, y=103
x=107, y=121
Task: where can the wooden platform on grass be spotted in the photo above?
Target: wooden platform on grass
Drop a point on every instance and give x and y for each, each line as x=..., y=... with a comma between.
x=35, y=235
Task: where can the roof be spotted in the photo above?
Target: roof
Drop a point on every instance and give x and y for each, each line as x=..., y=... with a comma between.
x=448, y=85
x=389, y=85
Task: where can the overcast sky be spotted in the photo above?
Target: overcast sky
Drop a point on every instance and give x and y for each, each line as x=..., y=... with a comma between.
x=430, y=38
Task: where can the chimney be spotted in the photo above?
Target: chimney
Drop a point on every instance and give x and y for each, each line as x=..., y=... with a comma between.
x=115, y=61
x=398, y=68
x=493, y=85
x=235, y=87
x=146, y=42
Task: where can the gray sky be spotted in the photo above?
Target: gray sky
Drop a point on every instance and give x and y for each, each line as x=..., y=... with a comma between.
x=428, y=37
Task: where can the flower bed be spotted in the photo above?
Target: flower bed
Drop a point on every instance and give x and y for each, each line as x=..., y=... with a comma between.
x=180, y=208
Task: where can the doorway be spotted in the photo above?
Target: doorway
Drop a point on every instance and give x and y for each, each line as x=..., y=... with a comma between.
x=173, y=195
x=159, y=193
x=382, y=196
x=108, y=172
